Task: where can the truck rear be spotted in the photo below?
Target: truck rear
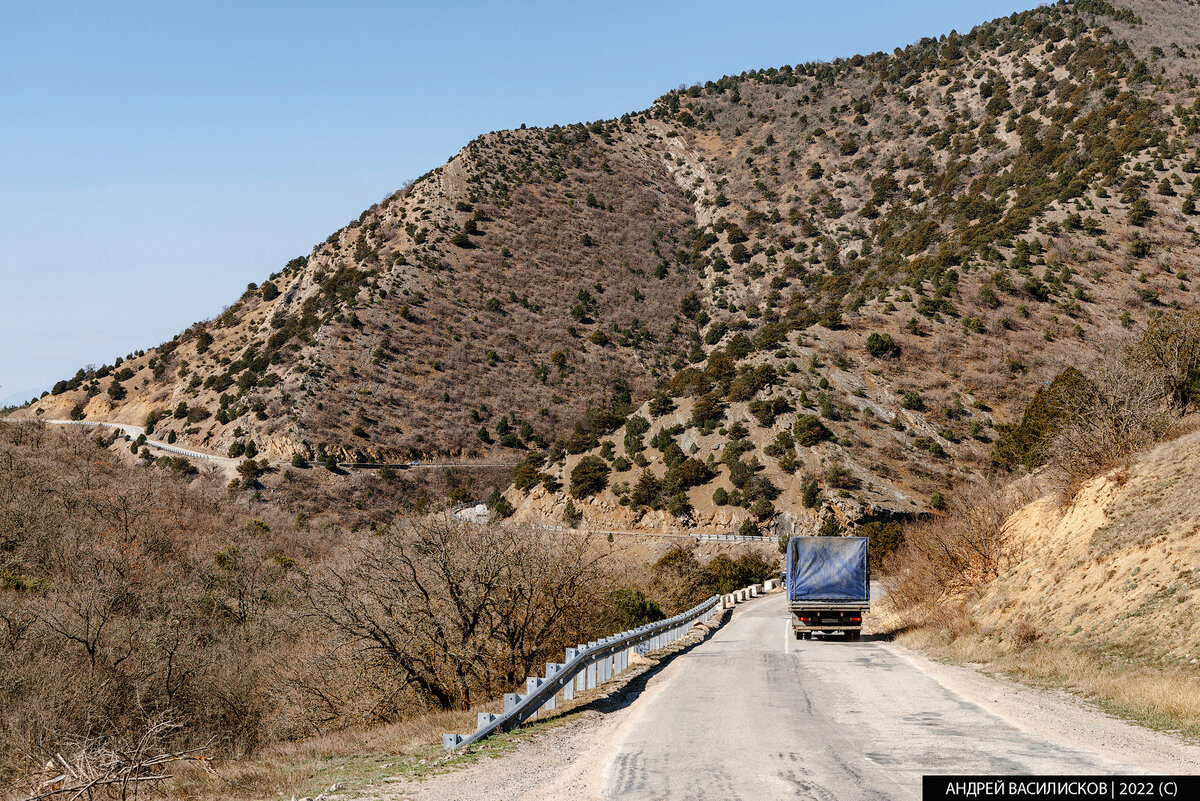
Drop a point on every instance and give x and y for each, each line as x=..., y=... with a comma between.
x=828, y=585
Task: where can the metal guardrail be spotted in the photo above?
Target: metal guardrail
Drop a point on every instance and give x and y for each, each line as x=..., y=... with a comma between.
x=172, y=449
x=150, y=443
x=587, y=666
x=730, y=538
x=457, y=510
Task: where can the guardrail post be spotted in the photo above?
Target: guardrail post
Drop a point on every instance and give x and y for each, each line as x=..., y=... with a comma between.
x=531, y=685
x=510, y=701
x=581, y=678
x=569, y=686
x=484, y=719
x=451, y=741
x=552, y=669
x=591, y=672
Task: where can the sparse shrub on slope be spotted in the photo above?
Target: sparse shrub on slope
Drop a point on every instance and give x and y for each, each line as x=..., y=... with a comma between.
x=1126, y=401
x=682, y=580
x=1026, y=442
x=589, y=476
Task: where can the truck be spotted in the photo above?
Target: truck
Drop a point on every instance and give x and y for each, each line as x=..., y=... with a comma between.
x=828, y=585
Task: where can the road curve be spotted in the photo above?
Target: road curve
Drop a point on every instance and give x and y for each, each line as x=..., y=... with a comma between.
x=227, y=461
x=753, y=713
x=136, y=431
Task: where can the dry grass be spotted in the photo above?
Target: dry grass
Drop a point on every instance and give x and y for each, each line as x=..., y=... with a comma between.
x=351, y=758
x=1163, y=699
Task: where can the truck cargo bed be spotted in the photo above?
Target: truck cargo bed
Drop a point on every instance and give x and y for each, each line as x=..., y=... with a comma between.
x=828, y=585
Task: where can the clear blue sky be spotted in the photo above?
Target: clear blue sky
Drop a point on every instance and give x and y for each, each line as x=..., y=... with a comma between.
x=157, y=157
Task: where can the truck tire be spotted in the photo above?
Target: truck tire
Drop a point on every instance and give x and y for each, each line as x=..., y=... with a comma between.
x=853, y=635
x=799, y=635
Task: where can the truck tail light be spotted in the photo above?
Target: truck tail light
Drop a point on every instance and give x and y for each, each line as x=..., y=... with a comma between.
x=856, y=620
x=803, y=619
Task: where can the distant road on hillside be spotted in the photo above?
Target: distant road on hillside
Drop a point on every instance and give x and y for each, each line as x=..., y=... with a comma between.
x=138, y=431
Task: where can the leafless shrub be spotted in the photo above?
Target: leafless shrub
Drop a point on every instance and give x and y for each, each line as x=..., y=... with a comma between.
x=1125, y=409
x=1170, y=349
x=128, y=592
x=957, y=551
x=1022, y=633
x=97, y=769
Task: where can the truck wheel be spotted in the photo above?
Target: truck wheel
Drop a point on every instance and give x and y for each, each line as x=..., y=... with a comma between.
x=799, y=635
x=853, y=635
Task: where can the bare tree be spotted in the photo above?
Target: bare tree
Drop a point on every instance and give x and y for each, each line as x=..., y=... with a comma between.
x=959, y=550
x=1126, y=407
x=1171, y=348
x=457, y=610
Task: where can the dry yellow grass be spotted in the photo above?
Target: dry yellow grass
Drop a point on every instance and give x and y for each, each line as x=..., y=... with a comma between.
x=350, y=758
x=1162, y=699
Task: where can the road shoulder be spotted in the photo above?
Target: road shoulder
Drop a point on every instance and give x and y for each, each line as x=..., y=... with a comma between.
x=1059, y=716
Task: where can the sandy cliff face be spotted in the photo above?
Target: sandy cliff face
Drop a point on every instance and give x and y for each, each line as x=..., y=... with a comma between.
x=1115, y=569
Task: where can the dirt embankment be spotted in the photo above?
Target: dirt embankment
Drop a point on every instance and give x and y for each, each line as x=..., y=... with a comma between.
x=1117, y=568
x=1101, y=594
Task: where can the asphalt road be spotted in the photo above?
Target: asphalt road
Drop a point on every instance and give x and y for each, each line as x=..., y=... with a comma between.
x=754, y=714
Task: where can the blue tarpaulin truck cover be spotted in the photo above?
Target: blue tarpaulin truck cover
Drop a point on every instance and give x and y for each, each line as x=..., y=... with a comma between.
x=827, y=569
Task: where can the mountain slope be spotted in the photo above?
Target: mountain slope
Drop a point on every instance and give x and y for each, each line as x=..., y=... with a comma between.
x=543, y=258
x=907, y=245
x=863, y=263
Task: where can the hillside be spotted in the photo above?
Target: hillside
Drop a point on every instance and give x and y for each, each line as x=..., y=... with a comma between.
x=1097, y=593
x=1115, y=570
x=832, y=278
x=903, y=247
